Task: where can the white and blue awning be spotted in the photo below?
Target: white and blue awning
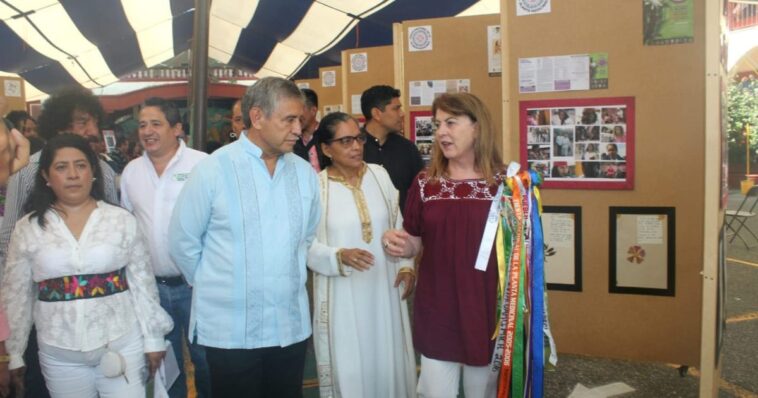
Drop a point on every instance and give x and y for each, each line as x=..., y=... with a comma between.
x=58, y=43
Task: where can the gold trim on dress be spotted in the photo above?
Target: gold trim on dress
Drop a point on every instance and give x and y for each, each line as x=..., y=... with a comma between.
x=360, y=202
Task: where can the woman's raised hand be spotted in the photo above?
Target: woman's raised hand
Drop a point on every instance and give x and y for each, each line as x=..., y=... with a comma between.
x=399, y=243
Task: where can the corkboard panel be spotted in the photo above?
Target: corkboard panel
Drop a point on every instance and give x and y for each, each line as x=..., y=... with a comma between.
x=668, y=86
x=380, y=71
x=14, y=103
x=329, y=96
x=313, y=84
x=459, y=51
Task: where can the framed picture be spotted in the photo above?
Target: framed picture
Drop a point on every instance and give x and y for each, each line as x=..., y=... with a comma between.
x=110, y=140
x=642, y=250
x=422, y=133
x=562, y=232
x=579, y=143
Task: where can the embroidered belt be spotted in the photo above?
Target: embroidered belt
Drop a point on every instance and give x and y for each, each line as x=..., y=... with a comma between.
x=75, y=287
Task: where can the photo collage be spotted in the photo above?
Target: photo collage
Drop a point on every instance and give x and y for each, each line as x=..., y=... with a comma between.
x=587, y=143
x=423, y=132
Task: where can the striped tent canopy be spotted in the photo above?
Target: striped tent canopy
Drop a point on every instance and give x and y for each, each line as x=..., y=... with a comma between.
x=57, y=43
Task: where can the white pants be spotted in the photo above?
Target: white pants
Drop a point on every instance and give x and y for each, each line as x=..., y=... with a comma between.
x=440, y=379
x=75, y=374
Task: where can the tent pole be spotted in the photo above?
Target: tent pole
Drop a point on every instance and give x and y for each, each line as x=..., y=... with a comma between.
x=199, y=78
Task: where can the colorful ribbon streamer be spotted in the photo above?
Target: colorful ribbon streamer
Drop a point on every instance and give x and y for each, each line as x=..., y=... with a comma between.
x=523, y=329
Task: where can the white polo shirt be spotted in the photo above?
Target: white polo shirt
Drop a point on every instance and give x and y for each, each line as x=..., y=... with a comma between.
x=151, y=198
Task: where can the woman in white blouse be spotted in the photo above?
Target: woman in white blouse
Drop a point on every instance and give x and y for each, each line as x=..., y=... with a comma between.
x=78, y=269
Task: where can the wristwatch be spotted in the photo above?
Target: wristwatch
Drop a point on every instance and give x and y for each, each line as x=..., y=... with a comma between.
x=5, y=358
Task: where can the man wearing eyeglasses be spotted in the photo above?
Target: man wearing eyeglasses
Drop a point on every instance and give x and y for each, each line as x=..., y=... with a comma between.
x=386, y=145
x=74, y=110
x=240, y=232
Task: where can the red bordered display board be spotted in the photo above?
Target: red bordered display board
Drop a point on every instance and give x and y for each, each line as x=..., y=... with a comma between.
x=579, y=143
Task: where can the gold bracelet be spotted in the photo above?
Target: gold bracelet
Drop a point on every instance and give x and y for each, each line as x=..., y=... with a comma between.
x=341, y=265
x=407, y=270
x=5, y=358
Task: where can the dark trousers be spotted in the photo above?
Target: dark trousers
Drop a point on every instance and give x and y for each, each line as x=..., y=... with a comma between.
x=275, y=372
x=177, y=301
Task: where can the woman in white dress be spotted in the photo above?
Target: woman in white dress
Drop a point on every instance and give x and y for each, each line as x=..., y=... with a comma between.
x=79, y=270
x=361, y=329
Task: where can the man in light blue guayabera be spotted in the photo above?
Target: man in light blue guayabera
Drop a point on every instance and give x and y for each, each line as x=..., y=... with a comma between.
x=240, y=233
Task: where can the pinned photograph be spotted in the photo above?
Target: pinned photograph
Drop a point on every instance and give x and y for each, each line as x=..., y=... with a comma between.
x=563, y=142
x=612, y=170
x=613, y=134
x=424, y=127
x=613, y=115
x=538, y=117
x=587, y=151
x=542, y=167
x=563, y=117
x=589, y=115
x=587, y=133
x=539, y=152
x=563, y=169
x=613, y=151
x=538, y=135
x=425, y=149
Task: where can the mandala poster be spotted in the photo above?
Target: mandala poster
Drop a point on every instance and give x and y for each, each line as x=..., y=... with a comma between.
x=642, y=250
x=579, y=143
x=420, y=38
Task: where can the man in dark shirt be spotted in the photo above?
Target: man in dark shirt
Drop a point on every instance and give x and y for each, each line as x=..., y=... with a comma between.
x=306, y=146
x=386, y=145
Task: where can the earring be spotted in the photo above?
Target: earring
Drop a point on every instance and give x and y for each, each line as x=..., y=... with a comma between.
x=94, y=179
x=47, y=183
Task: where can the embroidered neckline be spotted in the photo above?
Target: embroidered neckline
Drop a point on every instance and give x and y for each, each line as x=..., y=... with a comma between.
x=360, y=202
x=446, y=188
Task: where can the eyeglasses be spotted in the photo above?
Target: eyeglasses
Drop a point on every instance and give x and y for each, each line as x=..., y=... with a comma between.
x=347, y=141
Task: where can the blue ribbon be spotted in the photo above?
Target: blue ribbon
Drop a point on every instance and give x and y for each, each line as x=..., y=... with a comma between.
x=538, y=298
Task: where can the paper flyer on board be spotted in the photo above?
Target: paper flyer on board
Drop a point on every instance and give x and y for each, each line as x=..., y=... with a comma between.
x=598, y=71
x=494, y=50
x=667, y=22
x=559, y=73
x=423, y=92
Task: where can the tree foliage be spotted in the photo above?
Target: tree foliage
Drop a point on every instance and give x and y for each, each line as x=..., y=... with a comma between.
x=742, y=110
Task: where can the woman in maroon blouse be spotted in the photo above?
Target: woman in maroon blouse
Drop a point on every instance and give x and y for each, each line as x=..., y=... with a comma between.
x=445, y=214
